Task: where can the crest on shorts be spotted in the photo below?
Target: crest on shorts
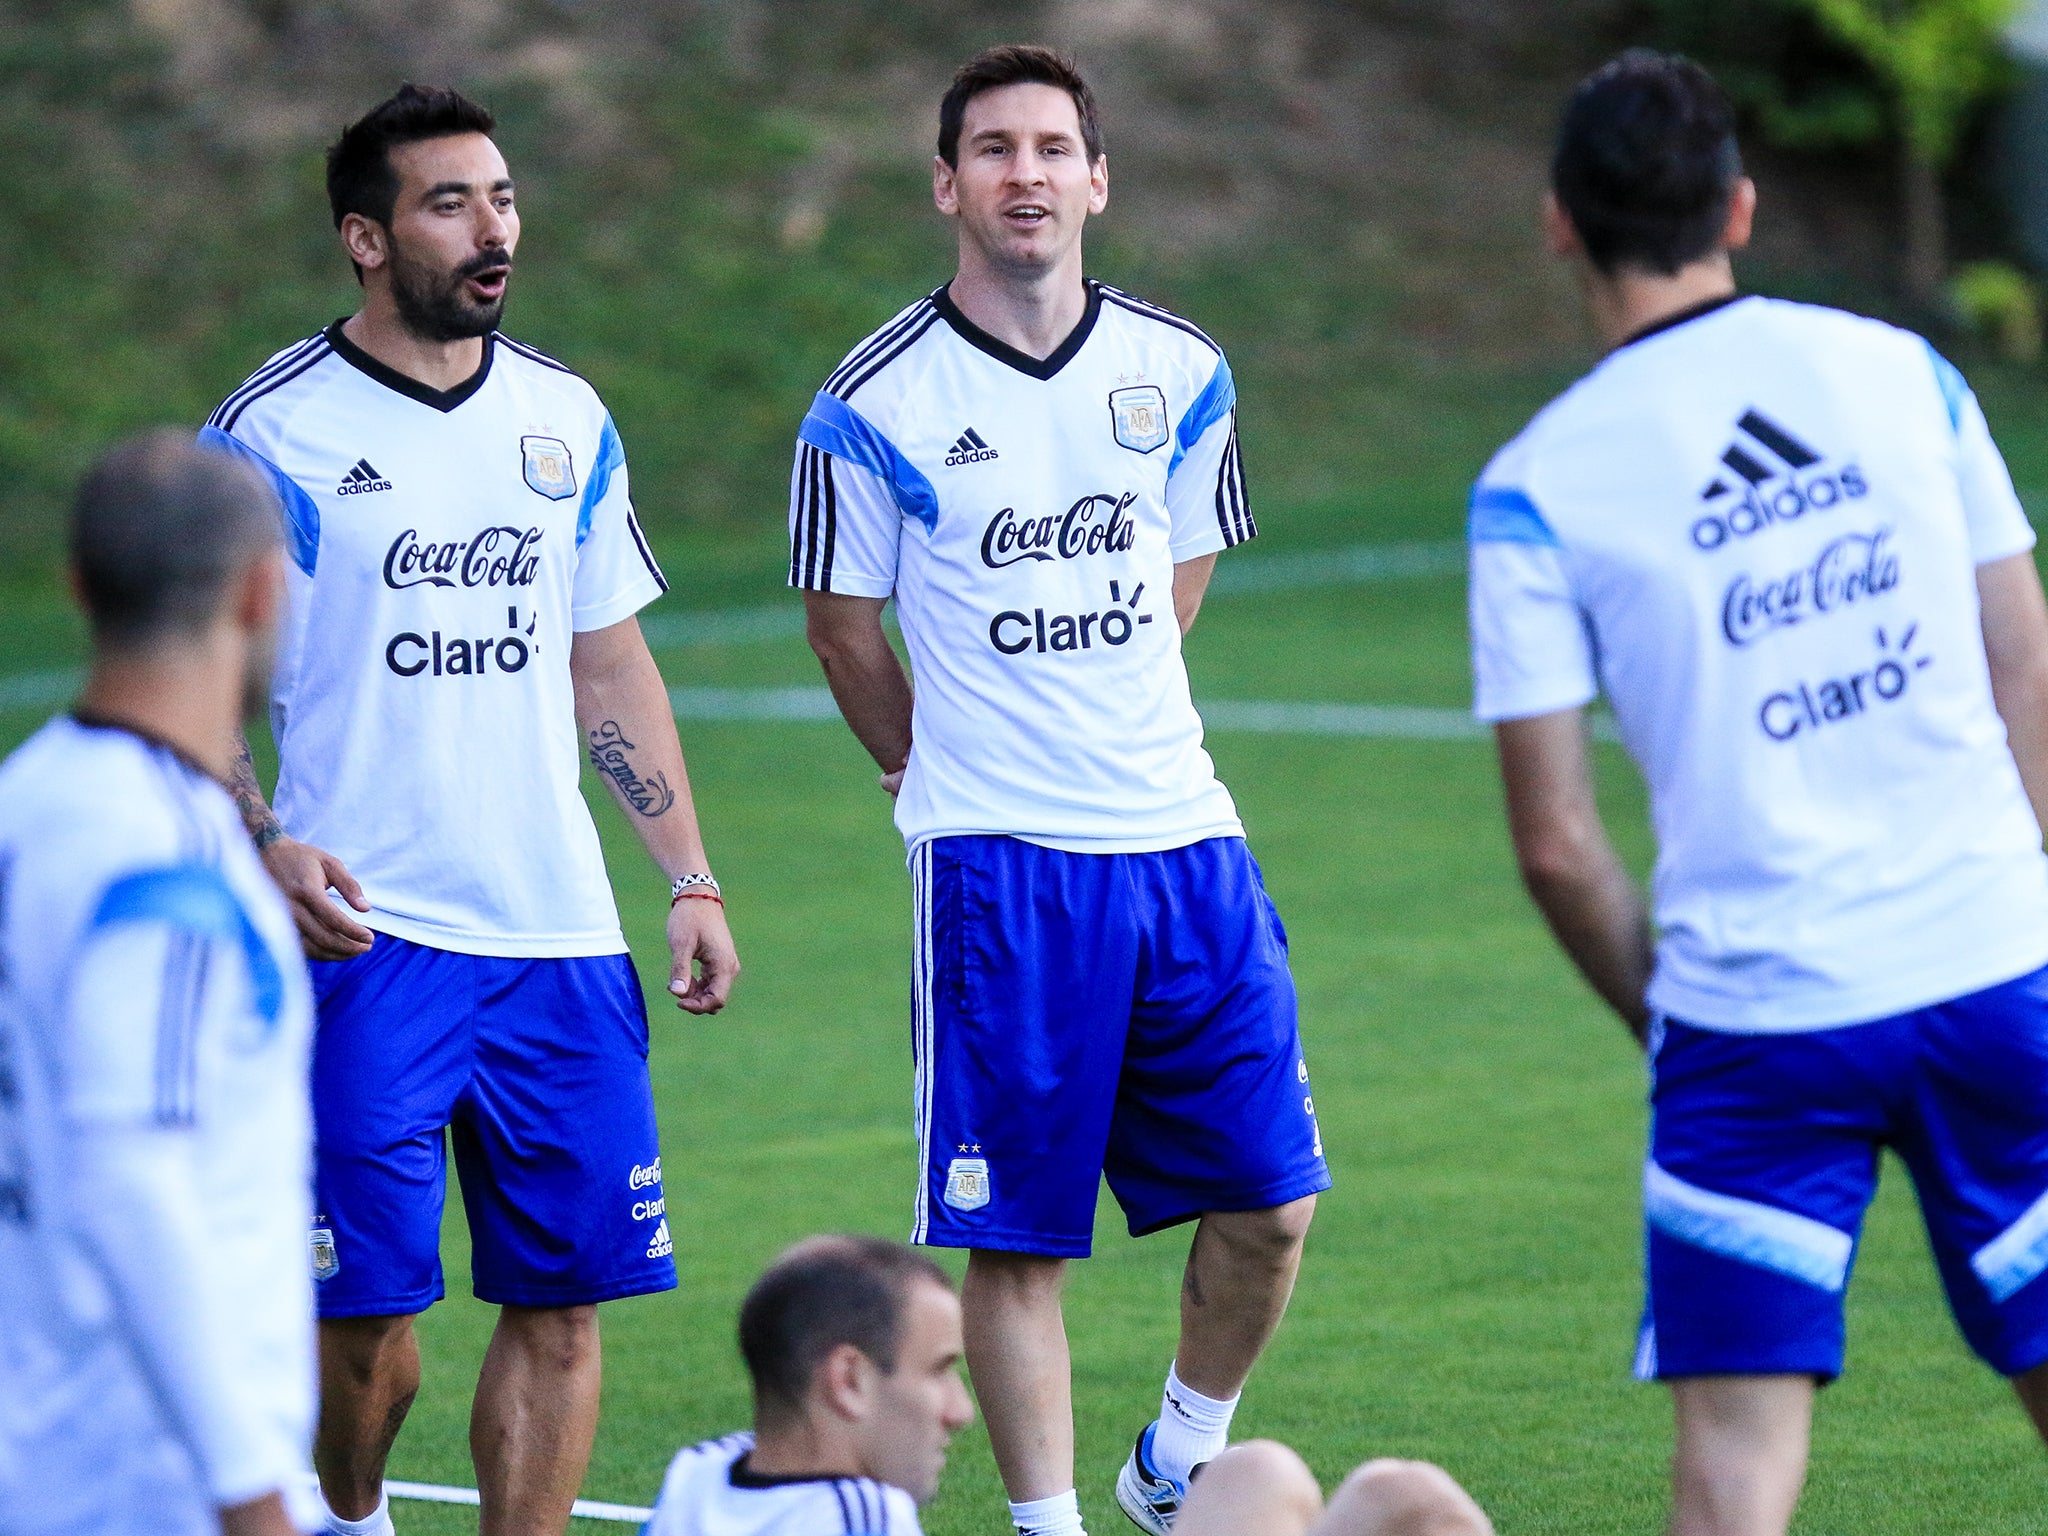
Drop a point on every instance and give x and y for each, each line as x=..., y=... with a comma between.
x=549, y=468
x=1139, y=415
x=320, y=1247
x=967, y=1183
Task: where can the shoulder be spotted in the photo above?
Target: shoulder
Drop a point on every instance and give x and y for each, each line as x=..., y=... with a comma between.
x=538, y=370
x=883, y=349
x=1160, y=325
x=280, y=383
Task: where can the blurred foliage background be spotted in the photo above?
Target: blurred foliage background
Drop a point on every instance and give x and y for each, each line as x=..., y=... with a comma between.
x=720, y=196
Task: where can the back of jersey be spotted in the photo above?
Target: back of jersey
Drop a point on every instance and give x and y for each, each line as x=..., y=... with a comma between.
x=1758, y=530
x=709, y=1491
x=155, y=1139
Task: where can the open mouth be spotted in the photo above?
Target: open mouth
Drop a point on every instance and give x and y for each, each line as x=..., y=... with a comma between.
x=1027, y=215
x=488, y=286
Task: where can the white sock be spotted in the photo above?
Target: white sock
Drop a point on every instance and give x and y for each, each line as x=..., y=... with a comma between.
x=1059, y=1515
x=1192, y=1428
x=376, y=1523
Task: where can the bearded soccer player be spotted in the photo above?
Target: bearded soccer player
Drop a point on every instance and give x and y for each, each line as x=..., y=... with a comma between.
x=465, y=570
x=1040, y=470
x=1782, y=541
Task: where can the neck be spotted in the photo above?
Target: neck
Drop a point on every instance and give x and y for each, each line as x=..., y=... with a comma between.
x=1625, y=303
x=1033, y=311
x=801, y=1447
x=379, y=331
x=188, y=697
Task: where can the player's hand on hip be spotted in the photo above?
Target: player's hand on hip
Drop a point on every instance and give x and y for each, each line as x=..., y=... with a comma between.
x=305, y=874
x=893, y=782
x=265, y=1516
x=705, y=962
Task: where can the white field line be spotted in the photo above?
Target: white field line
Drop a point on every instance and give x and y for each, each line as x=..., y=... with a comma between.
x=582, y=1509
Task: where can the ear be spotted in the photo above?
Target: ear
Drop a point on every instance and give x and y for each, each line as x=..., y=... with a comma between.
x=1741, y=215
x=1560, y=235
x=368, y=243
x=945, y=191
x=845, y=1383
x=1098, y=184
x=258, y=596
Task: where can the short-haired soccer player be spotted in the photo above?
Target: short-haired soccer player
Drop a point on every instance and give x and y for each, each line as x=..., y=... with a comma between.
x=1780, y=540
x=465, y=570
x=1040, y=470
x=156, y=1319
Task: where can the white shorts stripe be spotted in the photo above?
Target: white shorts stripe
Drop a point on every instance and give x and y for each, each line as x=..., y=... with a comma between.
x=921, y=1033
x=1758, y=1234
x=2017, y=1255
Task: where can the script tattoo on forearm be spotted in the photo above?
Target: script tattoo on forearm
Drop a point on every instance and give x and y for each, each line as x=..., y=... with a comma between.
x=608, y=748
x=257, y=817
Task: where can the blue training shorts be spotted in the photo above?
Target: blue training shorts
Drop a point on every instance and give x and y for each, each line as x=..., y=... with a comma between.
x=1764, y=1155
x=538, y=1071
x=1083, y=1014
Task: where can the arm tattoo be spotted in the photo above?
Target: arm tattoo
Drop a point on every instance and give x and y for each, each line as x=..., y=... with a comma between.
x=608, y=748
x=257, y=816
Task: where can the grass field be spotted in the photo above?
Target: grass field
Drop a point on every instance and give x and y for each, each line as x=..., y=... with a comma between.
x=1470, y=1290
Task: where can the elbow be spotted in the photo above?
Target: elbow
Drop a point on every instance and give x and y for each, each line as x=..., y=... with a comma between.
x=1554, y=858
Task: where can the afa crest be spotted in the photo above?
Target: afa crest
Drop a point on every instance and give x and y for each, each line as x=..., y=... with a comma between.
x=967, y=1183
x=1139, y=416
x=320, y=1249
x=549, y=468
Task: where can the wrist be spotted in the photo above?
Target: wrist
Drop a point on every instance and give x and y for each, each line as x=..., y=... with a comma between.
x=700, y=884
x=263, y=836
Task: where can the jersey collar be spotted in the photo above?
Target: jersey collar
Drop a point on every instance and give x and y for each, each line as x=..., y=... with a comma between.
x=94, y=721
x=1003, y=352
x=741, y=1475
x=1672, y=321
x=405, y=384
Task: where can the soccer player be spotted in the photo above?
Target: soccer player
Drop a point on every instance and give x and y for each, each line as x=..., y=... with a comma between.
x=853, y=1347
x=465, y=567
x=1040, y=470
x=1781, y=541
x=156, y=1321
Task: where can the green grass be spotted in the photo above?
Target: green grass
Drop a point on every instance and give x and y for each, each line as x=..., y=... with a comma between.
x=1470, y=1291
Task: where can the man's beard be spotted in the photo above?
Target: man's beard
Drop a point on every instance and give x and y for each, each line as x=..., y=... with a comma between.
x=257, y=664
x=436, y=306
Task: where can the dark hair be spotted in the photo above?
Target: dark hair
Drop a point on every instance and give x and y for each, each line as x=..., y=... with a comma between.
x=825, y=1292
x=1015, y=64
x=158, y=526
x=1646, y=162
x=359, y=174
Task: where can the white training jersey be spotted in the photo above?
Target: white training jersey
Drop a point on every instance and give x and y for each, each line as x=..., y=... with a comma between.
x=445, y=548
x=709, y=1492
x=1757, y=528
x=1027, y=516
x=156, y=1309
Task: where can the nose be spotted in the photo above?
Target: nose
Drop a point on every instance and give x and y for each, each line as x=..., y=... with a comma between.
x=960, y=1410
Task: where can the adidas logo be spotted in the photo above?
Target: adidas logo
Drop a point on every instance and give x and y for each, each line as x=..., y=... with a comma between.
x=970, y=449
x=361, y=480
x=1771, y=477
x=663, y=1245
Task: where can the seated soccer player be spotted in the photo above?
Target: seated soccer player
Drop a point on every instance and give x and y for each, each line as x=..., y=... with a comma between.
x=854, y=1347
x=1261, y=1488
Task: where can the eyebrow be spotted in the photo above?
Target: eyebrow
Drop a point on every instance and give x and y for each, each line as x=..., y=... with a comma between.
x=443, y=188
x=988, y=134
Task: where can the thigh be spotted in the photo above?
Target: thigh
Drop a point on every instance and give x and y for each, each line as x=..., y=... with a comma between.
x=390, y=1057
x=1215, y=1110
x=556, y=1142
x=1020, y=1001
x=1976, y=1140
x=1763, y=1158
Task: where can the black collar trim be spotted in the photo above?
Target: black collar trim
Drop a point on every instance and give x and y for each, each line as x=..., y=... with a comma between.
x=1671, y=322
x=1003, y=352
x=743, y=1476
x=405, y=384
x=94, y=721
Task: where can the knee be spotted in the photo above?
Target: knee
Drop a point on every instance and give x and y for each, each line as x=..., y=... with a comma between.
x=1274, y=1473
x=1411, y=1498
x=1020, y=1278
x=558, y=1339
x=1272, y=1236
x=364, y=1350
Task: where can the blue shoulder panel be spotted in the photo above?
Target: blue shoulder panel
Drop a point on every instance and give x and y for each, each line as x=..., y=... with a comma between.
x=194, y=898
x=836, y=428
x=1954, y=391
x=1217, y=399
x=611, y=458
x=301, y=513
x=1503, y=515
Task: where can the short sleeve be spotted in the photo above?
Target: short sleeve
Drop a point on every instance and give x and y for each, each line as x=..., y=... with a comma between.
x=1206, y=499
x=1991, y=508
x=1531, y=652
x=845, y=525
x=616, y=574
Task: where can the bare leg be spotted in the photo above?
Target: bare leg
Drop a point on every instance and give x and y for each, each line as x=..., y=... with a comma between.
x=1259, y=1488
x=535, y=1417
x=1402, y=1498
x=1240, y=1274
x=369, y=1375
x=1741, y=1455
x=1017, y=1356
x=2032, y=1387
